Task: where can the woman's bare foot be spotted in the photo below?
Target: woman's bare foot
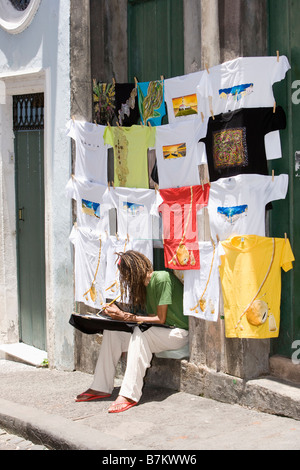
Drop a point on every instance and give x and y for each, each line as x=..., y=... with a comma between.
x=121, y=404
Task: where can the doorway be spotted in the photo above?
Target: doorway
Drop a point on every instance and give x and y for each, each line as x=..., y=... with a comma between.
x=28, y=124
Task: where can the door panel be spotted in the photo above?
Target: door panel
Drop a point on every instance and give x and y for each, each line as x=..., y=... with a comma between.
x=284, y=35
x=29, y=154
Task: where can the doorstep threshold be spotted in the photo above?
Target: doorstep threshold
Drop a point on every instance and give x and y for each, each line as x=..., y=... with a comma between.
x=24, y=353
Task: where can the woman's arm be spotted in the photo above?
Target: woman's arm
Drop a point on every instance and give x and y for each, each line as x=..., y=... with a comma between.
x=117, y=314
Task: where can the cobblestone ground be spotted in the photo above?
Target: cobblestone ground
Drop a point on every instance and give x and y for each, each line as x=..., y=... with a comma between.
x=12, y=442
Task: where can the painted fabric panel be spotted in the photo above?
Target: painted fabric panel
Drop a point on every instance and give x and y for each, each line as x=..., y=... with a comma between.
x=237, y=205
x=177, y=153
x=201, y=288
x=235, y=141
x=130, y=146
x=90, y=266
x=253, y=264
x=91, y=152
x=151, y=102
x=180, y=231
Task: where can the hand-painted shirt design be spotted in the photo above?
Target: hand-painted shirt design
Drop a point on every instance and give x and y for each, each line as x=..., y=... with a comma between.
x=236, y=93
x=230, y=148
x=91, y=208
x=231, y=214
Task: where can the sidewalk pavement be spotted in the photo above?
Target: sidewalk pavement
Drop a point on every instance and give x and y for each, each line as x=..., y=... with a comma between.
x=38, y=404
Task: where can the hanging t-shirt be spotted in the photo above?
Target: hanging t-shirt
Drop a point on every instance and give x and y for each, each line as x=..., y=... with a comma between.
x=90, y=266
x=91, y=152
x=117, y=245
x=254, y=265
x=237, y=205
x=151, y=102
x=104, y=102
x=181, y=97
x=91, y=210
x=130, y=146
x=127, y=110
x=245, y=82
x=135, y=208
x=180, y=231
x=235, y=141
x=165, y=289
x=177, y=153
x=201, y=288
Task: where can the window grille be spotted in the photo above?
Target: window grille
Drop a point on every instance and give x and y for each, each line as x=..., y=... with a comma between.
x=28, y=112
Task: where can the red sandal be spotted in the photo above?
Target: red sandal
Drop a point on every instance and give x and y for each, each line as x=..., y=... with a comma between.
x=90, y=397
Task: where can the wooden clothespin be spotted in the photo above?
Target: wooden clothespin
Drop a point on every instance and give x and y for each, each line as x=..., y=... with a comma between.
x=217, y=237
x=114, y=81
x=212, y=114
x=206, y=67
x=135, y=82
x=156, y=187
x=277, y=56
x=273, y=176
x=274, y=107
x=202, y=116
x=109, y=186
x=149, y=124
x=118, y=124
x=285, y=237
x=108, y=123
x=117, y=236
x=162, y=78
x=73, y=118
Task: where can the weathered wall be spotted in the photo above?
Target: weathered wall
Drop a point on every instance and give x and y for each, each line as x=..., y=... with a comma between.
x=37, y=59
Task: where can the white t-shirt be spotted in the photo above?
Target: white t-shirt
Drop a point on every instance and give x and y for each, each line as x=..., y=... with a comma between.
x=201, y=291
x=135, y=208
x=118, y=245
x=91, y=151
x=236, y=205
x=90, y=266
x=183, y=103
x=92, y=212
x=177, y=153
x=245, y=82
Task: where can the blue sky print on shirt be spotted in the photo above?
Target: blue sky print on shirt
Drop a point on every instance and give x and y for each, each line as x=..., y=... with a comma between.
x=91, y=208
x=231, y=214
x=132, y=208
x=236, y=93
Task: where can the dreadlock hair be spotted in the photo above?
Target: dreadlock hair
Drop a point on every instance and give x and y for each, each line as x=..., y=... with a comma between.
x=133, y=267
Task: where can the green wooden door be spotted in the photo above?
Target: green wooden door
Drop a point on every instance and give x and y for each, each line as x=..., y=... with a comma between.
x=155, y=49
x=29, y=157
x=155, y=39
x=284, y=35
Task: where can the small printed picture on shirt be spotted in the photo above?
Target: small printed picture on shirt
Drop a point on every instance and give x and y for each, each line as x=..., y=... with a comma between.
x=236, y=93
x=174, y=151
x=91, y=208
x=230, y=148
x=132, y=208
x=231, y=214
x=185, y=105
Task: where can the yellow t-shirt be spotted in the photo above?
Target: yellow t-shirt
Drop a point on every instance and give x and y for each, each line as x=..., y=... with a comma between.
x=130, y=146
x=250, y=273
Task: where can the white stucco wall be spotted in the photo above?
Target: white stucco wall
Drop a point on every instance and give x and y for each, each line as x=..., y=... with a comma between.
x=38, y=59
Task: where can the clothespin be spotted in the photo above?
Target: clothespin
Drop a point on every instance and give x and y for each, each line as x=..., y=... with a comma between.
x=162, y=78
x=149, y=124
x=285, y=237
x=212, y=114
x=118, y=124
x=73, y=176
x=156, y=187
x=95, y=122
x=202, y=116
x=274, y=107
x=207, y=70
x=114, y=81
x=217, y=237
x=73, y=118
x=135, y=82
x=273, y=176
x=117, y=236
x=277, y=56
x=108, y=123
x=109, y=186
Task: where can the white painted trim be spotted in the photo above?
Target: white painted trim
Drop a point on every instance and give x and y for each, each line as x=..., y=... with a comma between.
x=14, y=21
x=36, y=81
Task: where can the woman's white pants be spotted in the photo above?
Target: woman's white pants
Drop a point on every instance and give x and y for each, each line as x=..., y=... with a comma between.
x=140, y=347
